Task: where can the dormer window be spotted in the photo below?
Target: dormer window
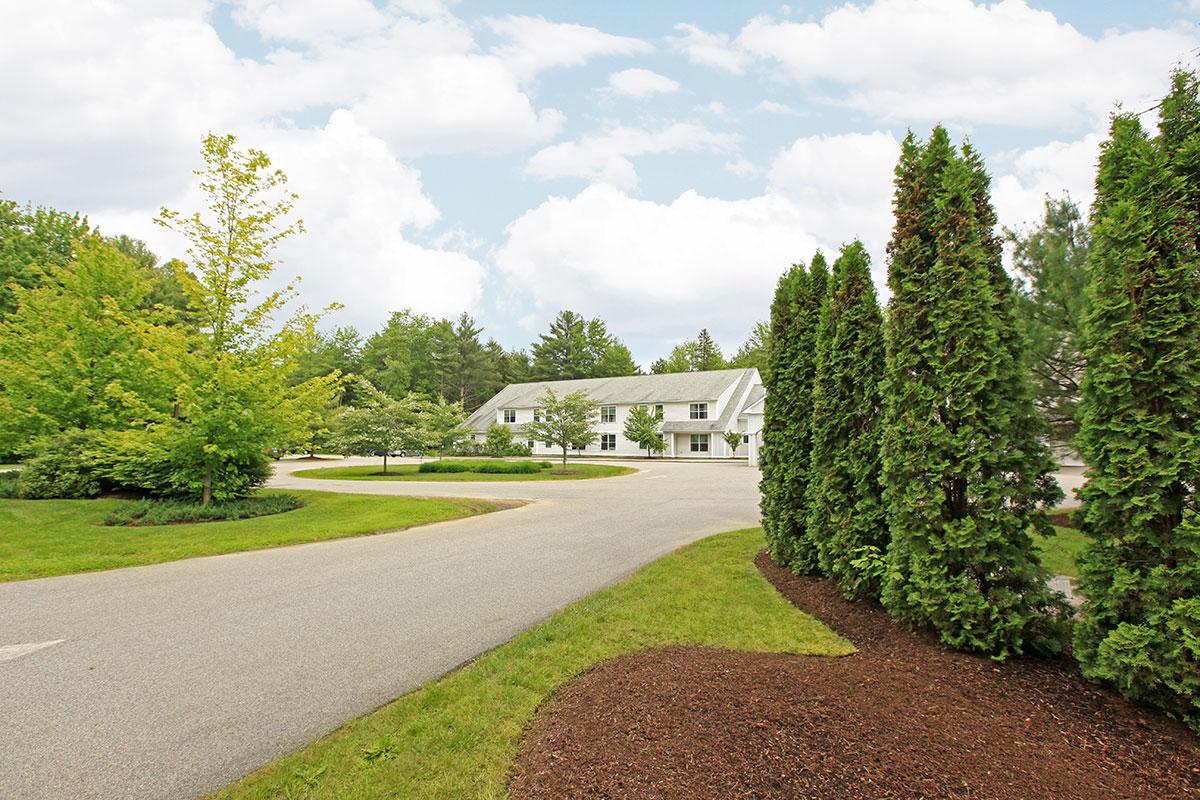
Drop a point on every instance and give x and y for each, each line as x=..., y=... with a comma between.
x=510, y=415
x=698, y=411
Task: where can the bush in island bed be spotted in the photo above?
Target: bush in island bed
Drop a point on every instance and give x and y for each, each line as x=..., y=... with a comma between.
x=139, y=513
x=486, y=467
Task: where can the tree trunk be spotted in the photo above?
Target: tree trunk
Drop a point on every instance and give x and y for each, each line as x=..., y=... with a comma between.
x=385, y=462
x=564, y=458
x=206, y=492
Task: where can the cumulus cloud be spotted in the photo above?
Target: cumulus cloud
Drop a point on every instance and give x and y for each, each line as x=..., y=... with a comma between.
x=309, y=20
x=711, y=49
x=1025, y=177
x=742, y=167
x=640, y=83
x=650, y=269
x=773, y=107
x=535, y=44
x=606, y=156
x=956, y=61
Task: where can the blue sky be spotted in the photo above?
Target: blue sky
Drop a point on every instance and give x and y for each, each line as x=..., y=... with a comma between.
x=655, y=164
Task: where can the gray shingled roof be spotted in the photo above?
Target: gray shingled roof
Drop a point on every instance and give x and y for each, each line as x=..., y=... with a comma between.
x=675, y=387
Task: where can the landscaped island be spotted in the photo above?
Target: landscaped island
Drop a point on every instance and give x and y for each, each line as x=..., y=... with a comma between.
x=40, y=538
x=466, y=470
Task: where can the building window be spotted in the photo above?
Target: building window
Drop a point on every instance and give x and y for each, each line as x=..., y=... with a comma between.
x=745, y=438
x=537, y=415
x=699, y=442
x=658, y=411
x=608, y=413
x=608, y=441
x=698, y=411
x=510, y=415
x=530, y=443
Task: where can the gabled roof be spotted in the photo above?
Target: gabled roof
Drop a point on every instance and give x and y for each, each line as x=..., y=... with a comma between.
x=674, y=387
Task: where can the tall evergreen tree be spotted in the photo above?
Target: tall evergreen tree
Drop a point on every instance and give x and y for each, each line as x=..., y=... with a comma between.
x=708, y=353
x=1140, y=430
x=577, y=347
x=965, y=475
x=1052, y=261
x=753, y=352
x=846, y=517
x=468, y=373
x=787, y=425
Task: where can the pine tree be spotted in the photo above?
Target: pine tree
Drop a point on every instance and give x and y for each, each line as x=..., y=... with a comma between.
x=965, y=476
x=846, y=518
x=1139, y=428
x=787, y=425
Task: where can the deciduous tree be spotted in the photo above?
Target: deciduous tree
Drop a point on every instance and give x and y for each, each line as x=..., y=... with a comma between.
x=566, y=422
x=644, y=428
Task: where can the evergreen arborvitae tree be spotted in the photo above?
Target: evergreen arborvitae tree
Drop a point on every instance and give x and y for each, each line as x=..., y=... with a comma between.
x=1140, y=414
x=965, y=475
x=787, y=423
x=846, y=517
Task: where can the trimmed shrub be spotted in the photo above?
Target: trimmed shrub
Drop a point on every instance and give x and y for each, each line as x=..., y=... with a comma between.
x=140, y=513
x=486, y=467
x=9, y=485
x=61, y=467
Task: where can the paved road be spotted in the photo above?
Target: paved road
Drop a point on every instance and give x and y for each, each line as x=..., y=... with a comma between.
x=172, y=680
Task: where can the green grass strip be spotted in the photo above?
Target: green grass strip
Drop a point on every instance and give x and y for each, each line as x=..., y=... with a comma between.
x=1060, y=552
x=40, y=538
x=455, y=738
x=408, y=472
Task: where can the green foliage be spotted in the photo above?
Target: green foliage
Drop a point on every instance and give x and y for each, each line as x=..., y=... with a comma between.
x=237, y=401
x=566, y=422
x=9, y=485
x=846, y=517
x=1139, y=430
x=733, y=440
x=579, y=348
x=644, y=428
x=787, y=423
x=62, y=467
x=379, y=425
x=486, y=467
x=443, y=425
x=1052, y=260
x=753, y=352
x=34, y=240
x=81, y=351
x=965, y=475
x=143, y=513
x=693, y=355
x=499, y=442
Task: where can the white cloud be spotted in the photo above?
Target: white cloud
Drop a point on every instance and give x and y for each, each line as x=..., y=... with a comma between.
x=606, y=156
x=710, y=49
x=309, y=20
x=641, y=83
x=841, y=185
x=953, y=60
x=1051, y=169
x=742, y=168
x=361, y=207
x=773, y=107
x=656, y=270
x=535, y=44
x=716, y=108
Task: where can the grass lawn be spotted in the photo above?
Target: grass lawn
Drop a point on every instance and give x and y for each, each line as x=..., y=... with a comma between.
x=1060, y=551
x=39, y=538
x=456, y=737
x=408, y=472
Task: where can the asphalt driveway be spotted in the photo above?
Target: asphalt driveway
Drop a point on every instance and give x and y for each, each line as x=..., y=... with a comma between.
x=172, y=680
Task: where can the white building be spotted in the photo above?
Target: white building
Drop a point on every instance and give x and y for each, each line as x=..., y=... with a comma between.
x=697, y=408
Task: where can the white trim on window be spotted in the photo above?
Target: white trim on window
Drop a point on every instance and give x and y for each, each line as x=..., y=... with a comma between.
x=698, y=411
x=608, y=441
x=608, y=413
x=699, y=442
x=510, y=415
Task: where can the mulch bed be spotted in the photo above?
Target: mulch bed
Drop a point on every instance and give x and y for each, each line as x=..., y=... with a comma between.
x=902, y=718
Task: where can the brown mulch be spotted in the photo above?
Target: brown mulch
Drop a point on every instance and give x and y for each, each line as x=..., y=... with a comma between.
x=902, y=718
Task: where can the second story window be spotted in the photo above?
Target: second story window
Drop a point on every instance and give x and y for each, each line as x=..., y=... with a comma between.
x=537, y=415
x=608, y=413
x=510, y=415
x=658, y=411
x=698, y=411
